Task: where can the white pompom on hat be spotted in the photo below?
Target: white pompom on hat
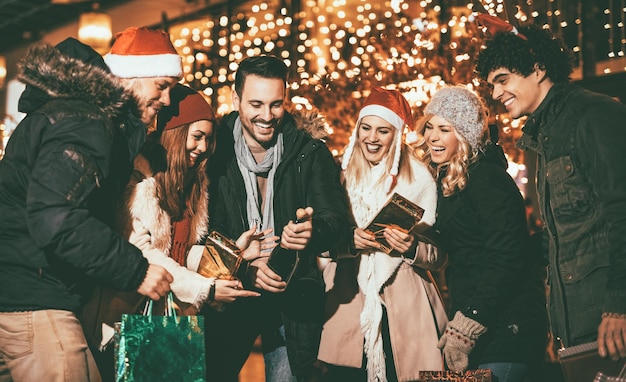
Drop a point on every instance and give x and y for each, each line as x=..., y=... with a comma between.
x=463, y=109
x=391, y=106
x=144, y=52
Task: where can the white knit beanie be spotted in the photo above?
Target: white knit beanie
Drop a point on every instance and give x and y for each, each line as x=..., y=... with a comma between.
x=144, y=52
x=463, y=109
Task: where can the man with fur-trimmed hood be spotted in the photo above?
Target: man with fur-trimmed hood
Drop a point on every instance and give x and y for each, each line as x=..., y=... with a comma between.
x=272, y=172
x=64, y=166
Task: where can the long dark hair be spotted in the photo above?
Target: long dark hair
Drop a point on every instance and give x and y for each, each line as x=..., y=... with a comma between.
x=181, y=187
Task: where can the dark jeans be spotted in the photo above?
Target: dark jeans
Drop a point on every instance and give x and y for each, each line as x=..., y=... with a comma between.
x=228, y=343
x=275, y=356
x=506, y=371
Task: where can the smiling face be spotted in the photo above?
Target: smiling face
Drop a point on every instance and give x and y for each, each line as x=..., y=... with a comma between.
x=375, y=137
x=153, y=93
x=520, y=95
x=441, y=139
x=199, y=138
x=261, y=108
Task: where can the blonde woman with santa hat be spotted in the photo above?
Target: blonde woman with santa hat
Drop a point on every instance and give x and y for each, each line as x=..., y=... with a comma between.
x=384, y=314
x=497, y=299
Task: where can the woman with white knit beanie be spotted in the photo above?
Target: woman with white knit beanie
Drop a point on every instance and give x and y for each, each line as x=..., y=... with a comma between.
x=384, y=315
x=497, y=298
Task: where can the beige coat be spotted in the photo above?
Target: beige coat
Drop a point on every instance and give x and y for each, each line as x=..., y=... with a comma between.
x=415, y=311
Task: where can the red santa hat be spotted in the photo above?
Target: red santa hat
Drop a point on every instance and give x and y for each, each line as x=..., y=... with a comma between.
x=495, y=25
x=144, y=52
x=187, y=106
x=391, y=106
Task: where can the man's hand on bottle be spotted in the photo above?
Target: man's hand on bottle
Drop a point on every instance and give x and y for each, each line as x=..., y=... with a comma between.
x=296, y=235
x=156, y=283
x=264, y=278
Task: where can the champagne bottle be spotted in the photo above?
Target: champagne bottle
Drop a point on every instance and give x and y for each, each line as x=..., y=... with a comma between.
x=283, y=261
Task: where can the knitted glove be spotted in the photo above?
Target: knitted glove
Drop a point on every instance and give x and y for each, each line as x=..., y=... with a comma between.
x=458, y=341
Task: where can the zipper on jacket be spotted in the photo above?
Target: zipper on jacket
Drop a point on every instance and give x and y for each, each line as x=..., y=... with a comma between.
x=299, y=184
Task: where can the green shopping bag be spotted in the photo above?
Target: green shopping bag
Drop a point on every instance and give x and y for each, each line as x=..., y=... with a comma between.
x=159, y=348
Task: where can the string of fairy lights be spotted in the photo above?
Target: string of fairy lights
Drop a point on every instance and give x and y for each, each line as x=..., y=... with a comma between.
x=320, y=36
x=329, y=38
x=318, y=41
x=338, y=49
x=617, y=36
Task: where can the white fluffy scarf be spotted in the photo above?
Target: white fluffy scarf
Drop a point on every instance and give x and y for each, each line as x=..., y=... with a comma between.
x=376, y=268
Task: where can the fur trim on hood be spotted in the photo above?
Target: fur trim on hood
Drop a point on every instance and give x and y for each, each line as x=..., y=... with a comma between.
x=52, y=74
x=311, y=121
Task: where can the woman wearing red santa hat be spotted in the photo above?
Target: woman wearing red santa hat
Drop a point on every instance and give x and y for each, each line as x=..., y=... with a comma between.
x=166, y=207
x=165, y=211
x=384, y=314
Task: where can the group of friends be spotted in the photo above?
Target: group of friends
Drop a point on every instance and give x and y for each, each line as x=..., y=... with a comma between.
x=118, y=172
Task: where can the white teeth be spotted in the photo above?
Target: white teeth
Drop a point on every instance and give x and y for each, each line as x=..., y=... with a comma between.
x=263, y=125
x=373, y=147
x=508, y=102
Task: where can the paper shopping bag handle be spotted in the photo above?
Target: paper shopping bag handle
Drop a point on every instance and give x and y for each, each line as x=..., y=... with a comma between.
x=170, y=311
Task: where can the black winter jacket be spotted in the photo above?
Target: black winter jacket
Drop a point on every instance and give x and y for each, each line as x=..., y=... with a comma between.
x=581, y=183
x=492, y=275
x=307, y=176
x=63, y=166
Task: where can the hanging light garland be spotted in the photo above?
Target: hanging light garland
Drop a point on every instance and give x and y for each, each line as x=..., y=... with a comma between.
x=338, y=49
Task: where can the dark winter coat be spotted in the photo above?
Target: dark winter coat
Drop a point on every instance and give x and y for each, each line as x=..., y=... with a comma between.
x=581, y=183
x=63, y=166
x=307, y=176
x=492, y=276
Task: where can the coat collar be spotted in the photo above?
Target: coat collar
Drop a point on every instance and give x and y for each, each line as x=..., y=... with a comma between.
x=547, y=112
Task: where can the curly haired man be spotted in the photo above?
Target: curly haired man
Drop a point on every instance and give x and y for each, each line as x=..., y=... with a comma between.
x=581, y=181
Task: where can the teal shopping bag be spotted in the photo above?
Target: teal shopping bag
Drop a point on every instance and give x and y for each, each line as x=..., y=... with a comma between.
x=152, y=348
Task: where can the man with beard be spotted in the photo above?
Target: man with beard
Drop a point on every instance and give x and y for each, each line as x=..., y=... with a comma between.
x=268, y=170
x=65, y=165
